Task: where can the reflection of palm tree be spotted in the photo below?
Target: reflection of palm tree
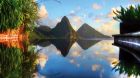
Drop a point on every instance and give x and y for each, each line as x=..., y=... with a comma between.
x=129, y=64
x=128, y=68
x=16, y=64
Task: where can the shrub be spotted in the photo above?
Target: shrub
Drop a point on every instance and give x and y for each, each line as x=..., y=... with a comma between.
x=15, y=13
x=130, y=14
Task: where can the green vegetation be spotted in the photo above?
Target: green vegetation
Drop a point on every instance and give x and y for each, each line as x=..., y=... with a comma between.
x=34, y=35
x=16, y=13
x=128, y=68
x=131, y=14
x=16, y=64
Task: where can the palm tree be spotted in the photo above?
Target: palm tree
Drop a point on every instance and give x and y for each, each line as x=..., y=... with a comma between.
x=129, y=19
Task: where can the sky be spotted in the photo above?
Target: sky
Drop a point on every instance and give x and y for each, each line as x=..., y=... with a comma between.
x=97, y=13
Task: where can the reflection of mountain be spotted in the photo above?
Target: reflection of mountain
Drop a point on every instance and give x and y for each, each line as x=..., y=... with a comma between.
x=87, y=32
x=85, y=44
x=63, y=45
x=43, y=42
x=43, y=30
x=63, y=29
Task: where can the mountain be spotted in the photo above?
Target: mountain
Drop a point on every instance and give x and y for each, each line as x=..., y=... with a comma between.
x=87, y=32
x=41, y=32
x=45, y=30
x=64, y=30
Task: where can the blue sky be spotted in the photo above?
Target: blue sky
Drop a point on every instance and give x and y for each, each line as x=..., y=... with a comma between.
x=96, y=13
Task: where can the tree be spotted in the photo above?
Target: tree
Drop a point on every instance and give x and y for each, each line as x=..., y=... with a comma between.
x=17, y=13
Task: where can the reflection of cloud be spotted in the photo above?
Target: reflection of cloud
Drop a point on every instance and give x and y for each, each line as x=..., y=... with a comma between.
x=107, y=52
x=96, y=6
x=42, y=59
x=95, y=67
x=78, y=65
x=113, y=61
x=75, y=54
x=107, y=47
x=75, y=51
x=42, y=12
x=72, y=61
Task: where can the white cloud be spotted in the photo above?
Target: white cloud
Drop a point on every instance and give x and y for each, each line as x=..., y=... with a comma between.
x=135, y=0
x=98, y=20
x=75, y=11
x=109, y=28
x=43, y=12
x=96, y=6
x=48, y=21
x=76, y=22
x=44, y=18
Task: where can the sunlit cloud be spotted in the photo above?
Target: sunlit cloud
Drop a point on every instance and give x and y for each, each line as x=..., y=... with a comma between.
x=44, y=18
x=43, y=12
x=75, y=11
x=98, y=20
x=96, y=6
x=109, y=28
x=111, y=14
x=76, y=22
x=135, y=0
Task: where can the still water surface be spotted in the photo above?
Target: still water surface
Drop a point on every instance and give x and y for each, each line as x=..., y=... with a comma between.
x=85, y=59
x=68, y=59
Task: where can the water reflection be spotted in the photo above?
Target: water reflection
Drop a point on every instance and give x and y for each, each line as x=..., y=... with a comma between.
x=83, y=59
x=95, y=62
x=85, y=44
x=64, y=45
x=129, y=63
x=14, y=63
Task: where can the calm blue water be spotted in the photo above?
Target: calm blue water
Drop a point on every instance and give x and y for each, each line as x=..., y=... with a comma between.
x=63, y=58
x=94, y=62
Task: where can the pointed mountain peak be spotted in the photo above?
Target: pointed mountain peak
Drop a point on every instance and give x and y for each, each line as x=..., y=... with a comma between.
x=86, y=26
x=65, y=18
x=64, y=22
